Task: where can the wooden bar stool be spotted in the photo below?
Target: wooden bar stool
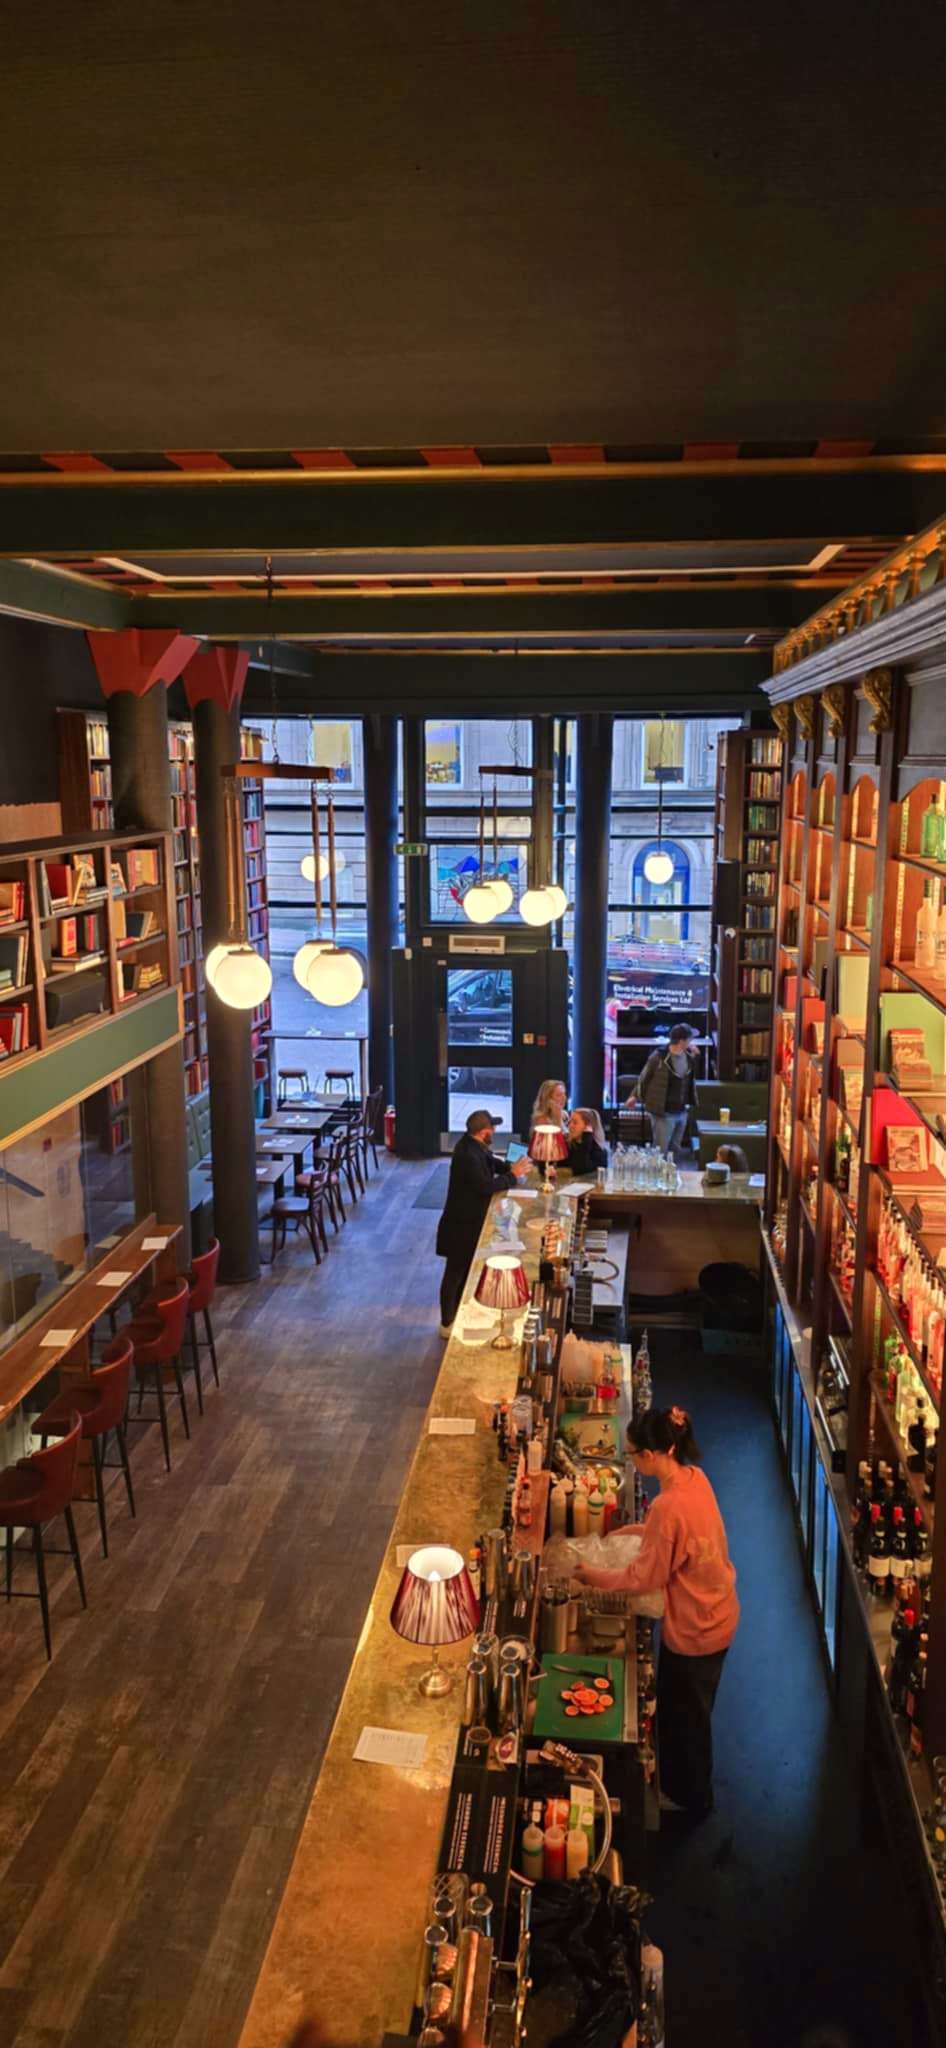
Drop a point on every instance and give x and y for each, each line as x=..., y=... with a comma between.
x=32, y=1493
x=157, y=1339
x=101, y=1402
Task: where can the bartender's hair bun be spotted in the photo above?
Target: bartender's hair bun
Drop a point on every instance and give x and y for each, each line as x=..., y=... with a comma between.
x=668, y=1430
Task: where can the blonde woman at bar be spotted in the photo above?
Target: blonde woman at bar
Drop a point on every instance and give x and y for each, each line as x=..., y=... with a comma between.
x=549, y=1105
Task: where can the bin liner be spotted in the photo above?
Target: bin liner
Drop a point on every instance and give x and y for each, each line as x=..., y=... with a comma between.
x=585, y=1963
x=732, y=1297
x=562, y=1554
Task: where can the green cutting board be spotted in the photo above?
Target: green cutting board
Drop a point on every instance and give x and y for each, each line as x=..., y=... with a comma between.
x=551, y=1720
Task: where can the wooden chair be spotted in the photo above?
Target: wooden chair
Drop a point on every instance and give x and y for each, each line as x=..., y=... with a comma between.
x=303, y=1211
x=370, y=1124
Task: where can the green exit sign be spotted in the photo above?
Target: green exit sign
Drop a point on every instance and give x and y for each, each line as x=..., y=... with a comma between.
x=412, y=849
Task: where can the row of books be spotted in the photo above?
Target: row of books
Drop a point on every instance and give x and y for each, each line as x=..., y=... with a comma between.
x=14, y=955
x=762, y=817
x=14, y=1029
x=762, y=852
x=12, y=902
x=753, y=1044
x=767, y=752
x=756, y=981
x=140, y=976
x=765, y=788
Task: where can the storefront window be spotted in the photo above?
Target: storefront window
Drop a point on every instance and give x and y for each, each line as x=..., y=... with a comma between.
x=444, y=755
x=333, y=747
x=664, y=750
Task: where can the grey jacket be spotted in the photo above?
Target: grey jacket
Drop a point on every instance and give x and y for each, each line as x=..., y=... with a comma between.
x=653, y=1083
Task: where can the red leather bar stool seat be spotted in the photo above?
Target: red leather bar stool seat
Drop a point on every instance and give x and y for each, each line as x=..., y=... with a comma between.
x=32, y=1493
x=157, y=1338
x=101, y=1400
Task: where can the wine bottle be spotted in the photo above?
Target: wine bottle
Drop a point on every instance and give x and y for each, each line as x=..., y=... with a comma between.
x=916, y=1438
x=878, y=1554
x=860, y=1516
x=922, y=1560
x=899, y=1549
x=903, y=1640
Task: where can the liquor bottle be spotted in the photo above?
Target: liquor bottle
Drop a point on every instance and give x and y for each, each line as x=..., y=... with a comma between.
x=916, y=1438
x=899, y=1549
x=930, y=840
x=939, y=964
x=925, y=944
x=878, y=1554
x=842, y=1160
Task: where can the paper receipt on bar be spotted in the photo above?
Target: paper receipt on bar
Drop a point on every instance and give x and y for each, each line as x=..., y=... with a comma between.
x=395, y=1746
x=451, y=1425
x=154, y=1244
x=55, y=1340
x=114, y=1279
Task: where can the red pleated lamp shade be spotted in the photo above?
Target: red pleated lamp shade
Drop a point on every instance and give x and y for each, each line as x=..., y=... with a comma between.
x=548, y=1143
x=435, y=1602
x=502, y=1283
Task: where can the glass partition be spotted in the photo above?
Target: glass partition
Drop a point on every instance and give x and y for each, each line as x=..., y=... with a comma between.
x=66, y=1194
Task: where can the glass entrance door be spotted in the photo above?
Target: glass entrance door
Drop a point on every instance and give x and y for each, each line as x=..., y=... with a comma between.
x=500, y=1026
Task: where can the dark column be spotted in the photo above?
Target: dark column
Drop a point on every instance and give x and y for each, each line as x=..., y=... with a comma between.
x=380, y=754
x=141, y=786
x=229, y=1041
x=416, y=885
x=592, y=844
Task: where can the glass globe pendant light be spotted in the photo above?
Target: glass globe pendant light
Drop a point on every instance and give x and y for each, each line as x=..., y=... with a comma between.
x=658, y=863
x=500, y=889
x=536, y=907
x=331, y=973
x=236, y=972
x=480, y=903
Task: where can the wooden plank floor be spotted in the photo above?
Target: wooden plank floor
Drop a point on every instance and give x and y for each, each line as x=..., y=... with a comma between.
x=154, y=1777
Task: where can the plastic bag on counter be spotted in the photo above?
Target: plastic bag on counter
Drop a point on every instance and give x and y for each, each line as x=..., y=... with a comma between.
x=562, y=1554
x=582, y=1364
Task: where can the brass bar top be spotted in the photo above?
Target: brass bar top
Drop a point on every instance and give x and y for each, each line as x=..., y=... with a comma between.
x=347, y=1936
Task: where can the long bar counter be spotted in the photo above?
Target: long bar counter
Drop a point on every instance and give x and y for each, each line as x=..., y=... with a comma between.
x=673, y=1236
x=346, y=1940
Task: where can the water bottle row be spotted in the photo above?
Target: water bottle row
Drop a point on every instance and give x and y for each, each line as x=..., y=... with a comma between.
x=641, y=1168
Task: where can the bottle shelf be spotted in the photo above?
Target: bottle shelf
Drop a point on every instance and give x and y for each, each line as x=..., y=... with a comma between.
x=905, y=1339
x=840, y=1297
x=899, y=1448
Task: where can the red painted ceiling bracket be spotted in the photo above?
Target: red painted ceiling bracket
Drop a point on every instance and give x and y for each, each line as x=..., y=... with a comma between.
x=135, y=660
x=216, y=675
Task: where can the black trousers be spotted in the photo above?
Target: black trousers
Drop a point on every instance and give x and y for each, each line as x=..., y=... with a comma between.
x=453, y=1283
x=686, y=1690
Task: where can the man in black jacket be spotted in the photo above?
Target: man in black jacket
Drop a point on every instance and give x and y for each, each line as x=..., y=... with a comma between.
x=475, y=1176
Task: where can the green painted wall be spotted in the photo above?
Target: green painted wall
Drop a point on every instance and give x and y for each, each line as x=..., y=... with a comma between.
x=32, y=1091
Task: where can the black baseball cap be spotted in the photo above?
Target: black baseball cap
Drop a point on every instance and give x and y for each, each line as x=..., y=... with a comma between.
x=480, y=1120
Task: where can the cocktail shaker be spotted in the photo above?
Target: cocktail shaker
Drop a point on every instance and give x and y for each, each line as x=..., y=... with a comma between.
x=495, y=1563
x=476, y=1692
x=554, y=1622
x=511, y=1695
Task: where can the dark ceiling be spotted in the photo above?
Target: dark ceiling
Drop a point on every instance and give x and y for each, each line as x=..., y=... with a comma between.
x=388, y=224
x=588, y=329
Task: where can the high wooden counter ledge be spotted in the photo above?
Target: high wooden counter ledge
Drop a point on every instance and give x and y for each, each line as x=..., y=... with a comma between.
x=346, y=1942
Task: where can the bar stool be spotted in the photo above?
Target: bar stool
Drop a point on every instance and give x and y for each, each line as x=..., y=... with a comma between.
x=32, y=1493
x=157, y=1339
x=347, y=1077
x=285, y=1077
x=101, y=1401
x=202, y=1281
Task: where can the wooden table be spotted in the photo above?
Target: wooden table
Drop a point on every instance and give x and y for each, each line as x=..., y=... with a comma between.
x=312, y=1121
x=27, y=1360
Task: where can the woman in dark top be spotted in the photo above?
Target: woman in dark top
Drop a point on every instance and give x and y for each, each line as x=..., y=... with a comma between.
x=586, y=1147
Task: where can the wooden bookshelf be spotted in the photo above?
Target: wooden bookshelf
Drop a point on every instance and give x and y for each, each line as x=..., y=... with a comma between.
x=257, y=890
x=87, y=928
x=188, y=915
x=747, y=815
x=85, y=772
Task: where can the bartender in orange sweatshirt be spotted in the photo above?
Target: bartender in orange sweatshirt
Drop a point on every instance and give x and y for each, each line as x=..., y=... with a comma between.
x=684, y=1555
